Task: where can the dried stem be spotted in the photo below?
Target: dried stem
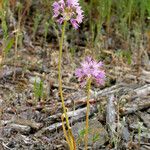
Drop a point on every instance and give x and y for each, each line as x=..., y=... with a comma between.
x=70, y=135
x=87, y=112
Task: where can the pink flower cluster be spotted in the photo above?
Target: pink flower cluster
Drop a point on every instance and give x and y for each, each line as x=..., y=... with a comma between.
x=90, y=69
x=68, y=10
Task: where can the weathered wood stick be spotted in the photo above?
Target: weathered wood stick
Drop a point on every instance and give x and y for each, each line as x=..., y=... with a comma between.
x=74, y=116
x=134, y=108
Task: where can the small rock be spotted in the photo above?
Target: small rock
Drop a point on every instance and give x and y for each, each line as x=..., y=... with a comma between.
x=97, y=134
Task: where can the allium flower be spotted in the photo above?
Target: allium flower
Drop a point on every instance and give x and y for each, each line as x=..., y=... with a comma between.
x=68, y=10
x=90, y=69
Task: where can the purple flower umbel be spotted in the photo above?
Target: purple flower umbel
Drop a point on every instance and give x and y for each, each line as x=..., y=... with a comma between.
x=68, y=10
x=90, y=69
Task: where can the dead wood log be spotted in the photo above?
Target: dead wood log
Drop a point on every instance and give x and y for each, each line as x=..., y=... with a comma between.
x=74, y=116
x=138, y=92
x=134, y=108
x=143, y=91
x=30, y=123
x=94, y=96
x=34, y=125
x=111, y=115
x=79, y=114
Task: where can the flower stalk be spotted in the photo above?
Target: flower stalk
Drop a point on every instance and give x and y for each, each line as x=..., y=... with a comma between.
x=87, y=112
x=69, y=137
x=90, y=71
x=66, y=11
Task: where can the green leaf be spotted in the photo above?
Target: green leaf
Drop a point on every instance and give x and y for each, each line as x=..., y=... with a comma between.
x=9, y=46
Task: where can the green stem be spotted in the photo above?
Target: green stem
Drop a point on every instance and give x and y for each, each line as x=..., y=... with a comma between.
x=87, y=112
x=72, y=141
x=59, y=73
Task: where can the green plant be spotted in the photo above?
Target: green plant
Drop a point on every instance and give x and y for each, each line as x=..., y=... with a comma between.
x=95, y=137
x=38, y=89
x=46, y=27
x=37, y=20
x=124, y=55
x=98, y=12
x=4, y=26
x=90, y=71
x=140, y=125
x=9, y=45
x=81, y=135
x=18, y=35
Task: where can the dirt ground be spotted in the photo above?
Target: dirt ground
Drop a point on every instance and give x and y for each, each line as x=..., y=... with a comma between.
x=119, y=111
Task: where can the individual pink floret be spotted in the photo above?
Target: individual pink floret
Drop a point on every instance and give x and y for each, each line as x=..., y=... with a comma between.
x=90, y=69
x=68, y=10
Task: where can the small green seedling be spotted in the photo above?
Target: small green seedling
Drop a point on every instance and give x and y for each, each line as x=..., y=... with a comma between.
x=140, y=125
x=37, y=20
x=81, y=135
x=38, y=89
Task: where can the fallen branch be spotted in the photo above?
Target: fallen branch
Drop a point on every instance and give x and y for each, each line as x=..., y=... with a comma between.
x=22, y=122
x=143, y=91
x=74, y=116
x=94, y=96
x=20, y=128
x=134, y=108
